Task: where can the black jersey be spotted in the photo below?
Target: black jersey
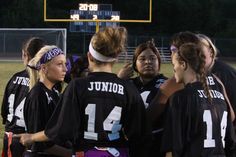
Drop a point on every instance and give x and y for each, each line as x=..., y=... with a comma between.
x=227, y=75
x=13, y=102
x=149, y=90
x=39, y=106
x=194, y=127
x=97, y=111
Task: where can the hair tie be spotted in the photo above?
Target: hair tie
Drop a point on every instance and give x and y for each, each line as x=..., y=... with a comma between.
x=32, y=67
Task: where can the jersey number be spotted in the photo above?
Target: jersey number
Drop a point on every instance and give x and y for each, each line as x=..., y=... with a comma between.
x=144, y=96
x=209, y=141
x=111, y=123
x=18, y=112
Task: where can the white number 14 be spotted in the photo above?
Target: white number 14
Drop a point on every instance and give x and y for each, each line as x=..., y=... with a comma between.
x=18, y=112
x=111, y=123
x=209, y=141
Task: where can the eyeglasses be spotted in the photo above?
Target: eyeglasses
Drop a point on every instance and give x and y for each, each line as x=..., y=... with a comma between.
x=173, y=49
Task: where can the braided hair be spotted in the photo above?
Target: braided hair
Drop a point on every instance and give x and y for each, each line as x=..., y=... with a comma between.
x=193, y=55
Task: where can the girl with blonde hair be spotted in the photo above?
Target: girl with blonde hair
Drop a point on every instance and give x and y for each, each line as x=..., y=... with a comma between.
x=46, y=69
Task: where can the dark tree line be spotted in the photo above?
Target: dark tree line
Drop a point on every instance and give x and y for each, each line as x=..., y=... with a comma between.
x=214, y=17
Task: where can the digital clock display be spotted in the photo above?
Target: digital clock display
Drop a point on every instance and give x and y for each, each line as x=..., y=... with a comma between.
x=88, y=7
x=93, y=12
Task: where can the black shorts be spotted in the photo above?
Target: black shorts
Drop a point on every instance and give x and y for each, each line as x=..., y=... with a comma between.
x=16, y=147
x=37, y=154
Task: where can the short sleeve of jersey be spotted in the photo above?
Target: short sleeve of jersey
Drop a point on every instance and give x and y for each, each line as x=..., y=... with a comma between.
x=65, y=121
x=4, y=109
x=230, y=139
x=135, y=126
x=227, y=75
x=173, y=133
x=36, y=114
x=33, y=109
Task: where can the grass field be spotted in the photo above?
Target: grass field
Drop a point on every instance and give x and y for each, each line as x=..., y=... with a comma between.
x=7, y=69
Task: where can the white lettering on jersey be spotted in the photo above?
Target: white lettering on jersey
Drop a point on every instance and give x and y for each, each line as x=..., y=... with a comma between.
x=106, y=87
x=144, y=96
x=214, y=94
x=201, y=94
x=210, y=80
x=49, y=98
x=21, y=81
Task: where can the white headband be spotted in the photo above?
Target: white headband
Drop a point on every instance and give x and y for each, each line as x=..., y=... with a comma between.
x=99, y=56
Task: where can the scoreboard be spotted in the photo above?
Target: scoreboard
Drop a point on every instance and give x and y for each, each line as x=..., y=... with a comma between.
x=93, y=12
x=87, y=15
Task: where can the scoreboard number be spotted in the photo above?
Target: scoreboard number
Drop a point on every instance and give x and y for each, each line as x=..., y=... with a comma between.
x=95, y=17
x=74, y=16
x=115, y=17
x=88, y=7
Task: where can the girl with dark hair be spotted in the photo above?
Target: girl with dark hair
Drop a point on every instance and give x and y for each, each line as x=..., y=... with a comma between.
x=199, y=119
x=159, y=103
x=147, y=64
x=170, y=86
x=77, y=66
x=14, y=98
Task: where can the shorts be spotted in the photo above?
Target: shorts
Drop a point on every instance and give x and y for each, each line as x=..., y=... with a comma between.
x=37, y=154
x=16, y=148
x=104, y=152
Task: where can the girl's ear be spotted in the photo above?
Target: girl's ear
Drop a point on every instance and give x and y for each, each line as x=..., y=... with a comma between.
x=211, y=51
x=184, y=65
x=90, y=57
x=44, y=68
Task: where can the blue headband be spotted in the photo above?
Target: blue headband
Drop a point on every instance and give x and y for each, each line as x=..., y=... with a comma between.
x=49, y=56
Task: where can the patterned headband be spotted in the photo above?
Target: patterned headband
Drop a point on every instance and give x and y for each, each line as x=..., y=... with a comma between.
x=49, y=56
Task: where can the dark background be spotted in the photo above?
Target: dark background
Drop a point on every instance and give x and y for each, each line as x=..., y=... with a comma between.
x=215, y=18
